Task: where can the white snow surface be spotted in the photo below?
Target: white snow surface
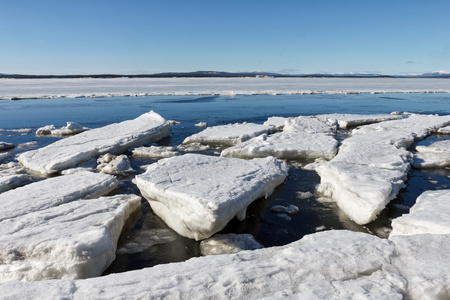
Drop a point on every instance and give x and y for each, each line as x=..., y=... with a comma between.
x=372, y=165
x=69, y=129
x=228, y=135
x=156, y=152
x=104, y=87
x=430, y=214
x=115, y=138
x=53, y=192
x=302, y=137
x=70, y=241
x=276, y=122
x=228, y=244
x=197, y=195
x=325, y=265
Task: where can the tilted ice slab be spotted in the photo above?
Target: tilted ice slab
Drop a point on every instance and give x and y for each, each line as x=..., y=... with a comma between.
x=353, y=120
x=4, y=156
x=430, y=214
x=436, y=155
x=326, y=265
x=6, y=146
x=302, y=137
x=372, y=165
x=197, y=195
x=423, y=260
x=444, y=130
x=155, y=152
x=11, y=181
x=70, y=241
x=115, y=138
x=53, y=192
x=228, y=135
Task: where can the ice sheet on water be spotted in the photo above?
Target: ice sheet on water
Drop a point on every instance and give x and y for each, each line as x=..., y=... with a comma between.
x=428, y=215
x=228, y=244
x=325, y=265
x=197, y=195
x=4, y=156
x=444, y=130
x=228, y=135
x=372, y=164
x=115, y=138
x=70, y=241
x=156, y=152
x=353, y=120
x=53, y=192
x=6, y=146
x=276, y=122
x=114, y=164
x=70, y=129
x=436, y=155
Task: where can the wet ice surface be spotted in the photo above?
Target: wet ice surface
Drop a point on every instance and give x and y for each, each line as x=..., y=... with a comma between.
x=267, y=226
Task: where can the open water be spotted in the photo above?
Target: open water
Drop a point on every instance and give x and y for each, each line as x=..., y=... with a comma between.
x=155, y=242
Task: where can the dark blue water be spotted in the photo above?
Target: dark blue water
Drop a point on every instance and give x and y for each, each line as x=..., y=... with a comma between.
x=267, y=227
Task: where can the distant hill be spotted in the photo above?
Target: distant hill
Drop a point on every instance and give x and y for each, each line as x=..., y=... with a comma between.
x=200, y=74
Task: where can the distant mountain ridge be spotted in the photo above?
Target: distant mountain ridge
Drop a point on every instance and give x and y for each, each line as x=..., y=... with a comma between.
x=202, y=74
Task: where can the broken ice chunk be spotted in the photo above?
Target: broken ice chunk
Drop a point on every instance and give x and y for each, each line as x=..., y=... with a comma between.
x=197, y=195
x=70, y=241
x=6, y=146
x=353, y=120
x=228, y=243
x=114, y=164
x=291, y=209
x=436, y=155
x=69, y=129
x=155, y=152
x=228, y=135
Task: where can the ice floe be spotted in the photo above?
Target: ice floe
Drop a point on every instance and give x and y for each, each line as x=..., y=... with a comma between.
x=372, y=165
x=436, y=155
x=228, y=135
x=353, y=120
x=115, y=138
x=4, y=156
x=69, y=241
x=53, y=192
x=197, y=195
x=6, y=146
x=145, y=238
x=228, y=243
x=155, y=152
x=69, y=129
x=114, y=164
x=430, y=214
x=444, y=130
x=302, y=137
x=325, y=265
x=10, y=181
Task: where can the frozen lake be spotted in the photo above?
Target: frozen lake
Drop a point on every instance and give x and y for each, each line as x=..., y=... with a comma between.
x=267, y=227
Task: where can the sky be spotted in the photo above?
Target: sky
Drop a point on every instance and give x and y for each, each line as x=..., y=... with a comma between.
x=394, y=37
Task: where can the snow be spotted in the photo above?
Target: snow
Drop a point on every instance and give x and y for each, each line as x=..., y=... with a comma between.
x=53, y=192
x=197, y=195
x=69, y=129
x=276, y=122
x=115, y=138
x=372, y=165
x=325, y=265
x=302, y=137
x=228, y=244
x=155, y=152
x=228, y=135
x=6, y=146
x=114, y=164
x=436, y=155
x=423, y=260
x=428, y=215
x=107, y=87
x=69, y=241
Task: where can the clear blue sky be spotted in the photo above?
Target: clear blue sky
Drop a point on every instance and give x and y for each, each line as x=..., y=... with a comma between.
x=335, y=36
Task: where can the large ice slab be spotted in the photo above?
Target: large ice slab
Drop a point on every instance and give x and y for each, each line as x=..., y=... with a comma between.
x=372, y=165
x=423, y=260
x=197, y=195
x=115, y=138
x=70, y=241
x=326, y=265
x=430, y=214
x=302, y=137
x=436, y=155
x=353, y=120
x=228, y=135
x=53, y=192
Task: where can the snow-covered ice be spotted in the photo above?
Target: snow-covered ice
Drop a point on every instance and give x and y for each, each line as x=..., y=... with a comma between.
x=302, y=137
x=6, y=146
x=11, y=181
x=53, y=192
x=372, y=165
x=69, y=129
x=325, y=265
x=4, y=156
x=115, y=138
x=228, y=135
x=69, y=241
x=423, y=260
x=228, y=243
x=353, y=120
x=114, y=164
x=276, y=122
x=156, y=152
x=146, y=238
x=436, y=155
x=430, y=214
x=197, y=195
x=444, y=130
x=111, y=87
